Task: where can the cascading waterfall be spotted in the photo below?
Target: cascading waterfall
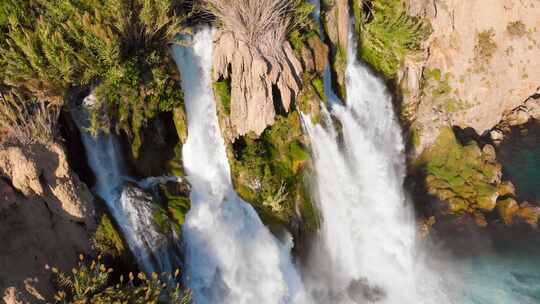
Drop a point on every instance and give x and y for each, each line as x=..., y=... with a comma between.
x=231, y=257
x=366, y=248
x=130, y=206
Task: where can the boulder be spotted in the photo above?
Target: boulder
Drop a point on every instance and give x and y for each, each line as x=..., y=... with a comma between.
x=489, y=154
x=529, y=214
x=506, y=188
x=518, y=117
x=507, y=209
x=496, y=135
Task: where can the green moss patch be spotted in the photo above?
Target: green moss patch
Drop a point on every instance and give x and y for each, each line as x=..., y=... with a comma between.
x=107, y=240
x=461, y=175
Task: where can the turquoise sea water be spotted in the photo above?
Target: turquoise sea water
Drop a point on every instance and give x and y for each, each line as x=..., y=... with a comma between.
x=503, y=278
x=520, y=156
x=510, y=272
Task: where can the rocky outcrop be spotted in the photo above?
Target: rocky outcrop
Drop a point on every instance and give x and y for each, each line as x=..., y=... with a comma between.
x=262, y=83
x=44, y=171
x=336, y=25
x=46, y=219
x=480, y=63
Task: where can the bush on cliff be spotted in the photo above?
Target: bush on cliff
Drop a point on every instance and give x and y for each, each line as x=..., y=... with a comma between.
x=387, y=34
x=92, y=283
x=117, y=47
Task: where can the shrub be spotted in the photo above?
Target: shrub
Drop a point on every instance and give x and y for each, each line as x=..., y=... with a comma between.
x=27, y=120
x=262, y=24
x=118, y=47
x=387, y=34
x=484, y=48
x=91, y=283
x=516, y=29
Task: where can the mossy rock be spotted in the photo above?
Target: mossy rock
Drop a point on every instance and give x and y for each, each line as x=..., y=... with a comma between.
x=461, y=175
x=107, y=240
x=268, y=172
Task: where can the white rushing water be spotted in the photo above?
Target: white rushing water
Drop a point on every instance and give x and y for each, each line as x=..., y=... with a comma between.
x=130, y=206
x=231, y=257
x=366, y=248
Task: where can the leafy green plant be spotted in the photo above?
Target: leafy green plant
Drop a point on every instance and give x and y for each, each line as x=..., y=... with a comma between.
x=387, y=34
x=92, y=283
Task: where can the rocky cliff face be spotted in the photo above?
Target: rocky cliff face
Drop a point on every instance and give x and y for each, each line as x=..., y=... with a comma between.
x=46, y=217
x=262, y=82
x=479, y=64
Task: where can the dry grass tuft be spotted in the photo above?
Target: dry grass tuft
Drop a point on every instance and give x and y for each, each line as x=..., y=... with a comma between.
x=28, y=122
x=261, y=24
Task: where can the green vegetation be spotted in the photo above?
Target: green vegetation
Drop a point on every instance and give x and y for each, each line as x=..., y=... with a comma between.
x=484, y=49
x=268, y=171
x=178, y=203
x=92, y=283
x=463, y=176
x=387, y=34
x=54, y=49
x=107, y=240
x=436, y=87
x=222, y=89
x=516, y=29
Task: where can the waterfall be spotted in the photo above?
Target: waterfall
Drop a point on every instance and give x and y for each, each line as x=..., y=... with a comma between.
x=366, y=249
x=231, y=257
x=130, y=206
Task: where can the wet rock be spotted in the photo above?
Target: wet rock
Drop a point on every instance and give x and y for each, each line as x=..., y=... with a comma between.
x=518, y=117
x=529, y=213
x=489, y=154
x=507, y=209
x=361, y=291
x=507, y=188
x=320, y=53
x=496, y=135
x=487, y=203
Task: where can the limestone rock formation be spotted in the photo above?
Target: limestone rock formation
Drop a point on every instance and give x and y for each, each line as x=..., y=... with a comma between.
x=336, y=25
x=480, y=63
x=46, y=219
x=262, y=83
x=44, y=171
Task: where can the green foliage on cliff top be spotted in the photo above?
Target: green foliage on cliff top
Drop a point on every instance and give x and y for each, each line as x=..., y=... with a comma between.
x=463, y=176
x=117, y=47
x=92, y=283
x=387, y=34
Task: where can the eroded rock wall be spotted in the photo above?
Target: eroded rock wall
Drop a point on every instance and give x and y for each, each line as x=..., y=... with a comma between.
x=46, y=219
x=481, y=61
